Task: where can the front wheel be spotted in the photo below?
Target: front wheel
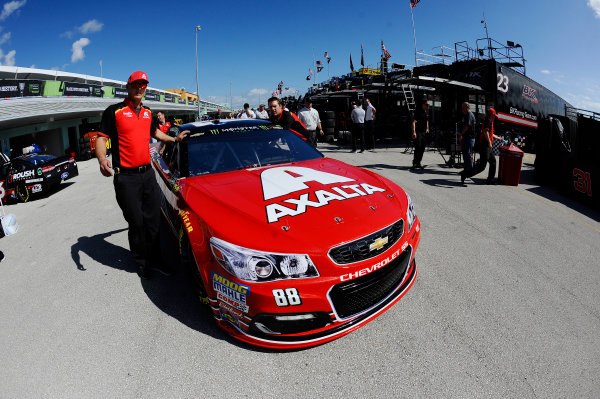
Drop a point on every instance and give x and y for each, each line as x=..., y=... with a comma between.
x=191, y=268
x=22, y=192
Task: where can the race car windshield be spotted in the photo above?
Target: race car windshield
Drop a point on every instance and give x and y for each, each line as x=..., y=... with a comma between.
x=249, y=149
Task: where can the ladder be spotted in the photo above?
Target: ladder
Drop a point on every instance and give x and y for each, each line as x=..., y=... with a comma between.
x=409, y=97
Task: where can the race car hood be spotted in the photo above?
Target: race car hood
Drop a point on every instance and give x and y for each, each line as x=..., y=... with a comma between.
x=304, y=205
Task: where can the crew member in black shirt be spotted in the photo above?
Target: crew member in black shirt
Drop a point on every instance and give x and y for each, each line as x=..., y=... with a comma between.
x=420, y=127
x=285, y=119
x=129, y=125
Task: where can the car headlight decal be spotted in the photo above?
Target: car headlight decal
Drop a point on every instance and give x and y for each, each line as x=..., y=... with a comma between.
x=251, y=265
x=410, y=213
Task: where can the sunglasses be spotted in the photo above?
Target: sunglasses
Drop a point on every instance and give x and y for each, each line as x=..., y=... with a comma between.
x=139, y=85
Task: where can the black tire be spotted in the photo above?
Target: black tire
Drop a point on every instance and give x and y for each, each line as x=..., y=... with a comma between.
x=191, y=268
x=22, y=192
x=328, y=123
x=328, y=114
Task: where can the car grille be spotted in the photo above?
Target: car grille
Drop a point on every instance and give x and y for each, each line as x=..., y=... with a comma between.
x=359, y=250
x=354, y=296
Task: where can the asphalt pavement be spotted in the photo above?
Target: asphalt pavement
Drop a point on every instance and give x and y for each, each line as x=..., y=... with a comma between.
x=506, y=303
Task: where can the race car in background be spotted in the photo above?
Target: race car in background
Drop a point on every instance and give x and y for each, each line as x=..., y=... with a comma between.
x=34, y=173
x=289, y=248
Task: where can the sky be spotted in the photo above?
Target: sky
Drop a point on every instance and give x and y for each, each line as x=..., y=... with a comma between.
x=246, y=48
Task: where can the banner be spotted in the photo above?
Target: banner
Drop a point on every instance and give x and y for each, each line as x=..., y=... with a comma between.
x=169, y=99
x=20, y=88
x=121, y=93
x=152, y=97
x=80, y=90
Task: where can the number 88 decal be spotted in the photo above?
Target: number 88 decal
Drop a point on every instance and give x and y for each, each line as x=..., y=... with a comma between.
x=287, y=297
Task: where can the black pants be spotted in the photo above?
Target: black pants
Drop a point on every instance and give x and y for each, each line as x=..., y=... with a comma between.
x=419, y=144
x=358, y=131
x=485, y=156
x=138, y=196
x=312, y=138
x=370, y=134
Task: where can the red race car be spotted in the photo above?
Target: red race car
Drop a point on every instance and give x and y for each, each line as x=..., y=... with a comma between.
x=289, y=248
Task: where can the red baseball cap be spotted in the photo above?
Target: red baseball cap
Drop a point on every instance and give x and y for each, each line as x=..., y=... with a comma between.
x=492, y=111
x=138, y=75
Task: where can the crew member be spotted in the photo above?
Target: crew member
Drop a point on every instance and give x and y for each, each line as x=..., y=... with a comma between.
x=284, y=118
x=370, y=111
x=163, y=125
x=467, y=135
x=486, y=139
x=358, y=126
x=129, y=124
x=420, y=127
x=310, y=118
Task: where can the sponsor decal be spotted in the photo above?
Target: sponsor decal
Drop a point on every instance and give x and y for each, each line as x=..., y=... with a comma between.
x=23, y=175
x=372, y=268
x=378, y=243
x=185, y=216
x=519, y=119
x=225, y=315
x=34, y=180
x=46, y=169
x=36, y=188
x=230, y=292
x=281, y=181
x=39, y=171
x=146, y=115
x=128, y=113
x=320, y=198
x=64, y=175
x=529, y=94
x=231, y=310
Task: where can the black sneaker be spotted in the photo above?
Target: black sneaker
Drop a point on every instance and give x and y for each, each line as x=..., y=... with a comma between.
x=491, y=182
x=462, y=178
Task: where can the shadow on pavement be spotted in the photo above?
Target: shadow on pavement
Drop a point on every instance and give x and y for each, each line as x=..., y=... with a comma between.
x=103, y=252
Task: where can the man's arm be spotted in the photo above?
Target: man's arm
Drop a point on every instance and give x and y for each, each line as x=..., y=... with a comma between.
x=373, y=110
x=105, y=166
x=165, y=138
x=414, y=129
x=486, y=135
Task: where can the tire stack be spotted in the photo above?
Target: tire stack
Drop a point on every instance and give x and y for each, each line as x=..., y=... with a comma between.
x=85, y=150
x=328, y=125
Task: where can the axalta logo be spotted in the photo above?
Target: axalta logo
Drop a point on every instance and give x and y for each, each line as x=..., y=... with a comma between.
x=277, y=182
x=370, y=269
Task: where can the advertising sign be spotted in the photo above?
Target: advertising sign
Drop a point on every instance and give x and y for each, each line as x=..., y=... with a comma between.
x=20, y=88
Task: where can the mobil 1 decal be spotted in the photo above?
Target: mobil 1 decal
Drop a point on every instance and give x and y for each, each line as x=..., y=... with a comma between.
x=280, y=182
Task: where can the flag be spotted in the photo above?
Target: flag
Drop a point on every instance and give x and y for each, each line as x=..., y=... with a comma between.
x=351, y=64
x=325, y=55
x=319, y=68
x=319, y=63
x=274, y=94
x=362, y=58
x=386, y=53
x=310, y=71
x=328, y=60
x=308, y=77
x=413, y=3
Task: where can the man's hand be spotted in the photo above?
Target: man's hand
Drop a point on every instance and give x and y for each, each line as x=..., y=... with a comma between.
x=321, y=132
x=414, y=136
x=182, y=135
x=105, y=167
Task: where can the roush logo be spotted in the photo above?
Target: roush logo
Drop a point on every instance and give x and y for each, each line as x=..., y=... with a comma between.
x=277, y=182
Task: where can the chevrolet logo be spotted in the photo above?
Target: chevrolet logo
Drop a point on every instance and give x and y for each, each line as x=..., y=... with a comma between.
x=378, y=243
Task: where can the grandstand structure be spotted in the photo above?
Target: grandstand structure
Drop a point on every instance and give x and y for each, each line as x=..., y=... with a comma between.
x=55, y=109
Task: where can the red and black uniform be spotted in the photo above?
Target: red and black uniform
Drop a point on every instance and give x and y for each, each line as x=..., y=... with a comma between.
x=289, y=120
x=165, y=128
x=485, y=152
x=136, y=189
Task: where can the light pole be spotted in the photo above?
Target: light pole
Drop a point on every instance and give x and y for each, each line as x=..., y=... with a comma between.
x=198, y=28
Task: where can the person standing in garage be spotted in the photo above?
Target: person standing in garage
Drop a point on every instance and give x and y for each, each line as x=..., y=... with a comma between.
x=486, y=154
x=129, y=124
x=310, y=118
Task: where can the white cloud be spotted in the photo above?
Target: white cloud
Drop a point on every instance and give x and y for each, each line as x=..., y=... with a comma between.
x=545, y=72
x=595, y=5
x=8, y=59
x=10, y=8
x=78, y=46
x=5, y=37
x=91, y=26
x=257, y=92
x=68, y=34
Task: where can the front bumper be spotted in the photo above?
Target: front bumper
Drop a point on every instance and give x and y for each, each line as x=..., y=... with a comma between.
x=351, y=301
